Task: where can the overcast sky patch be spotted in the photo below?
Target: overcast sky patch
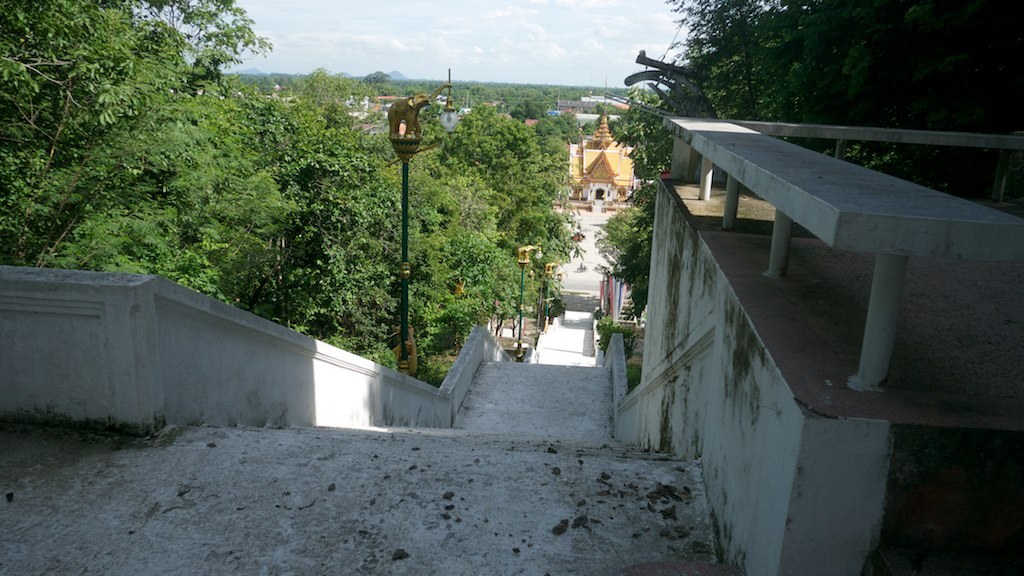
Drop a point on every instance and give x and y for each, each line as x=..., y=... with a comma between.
x=568, y=42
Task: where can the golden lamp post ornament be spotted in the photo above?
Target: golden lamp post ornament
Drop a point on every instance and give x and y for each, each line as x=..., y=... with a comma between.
x=404, y=128
x=549, y=273
x=523, y=259
x=406, y=135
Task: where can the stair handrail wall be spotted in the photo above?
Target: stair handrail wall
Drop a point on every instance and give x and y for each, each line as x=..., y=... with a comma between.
x=480, y=347
x=615, y=361
x=778, y=474
x=137, y=352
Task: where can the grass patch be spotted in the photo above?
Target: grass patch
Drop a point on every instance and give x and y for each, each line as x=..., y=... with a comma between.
x=434, y=369
x=633, y=373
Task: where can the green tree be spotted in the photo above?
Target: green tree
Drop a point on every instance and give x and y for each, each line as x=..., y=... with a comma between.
x=885, y=63
x=506, y=155
x=336, y=256
x=114, y=159
x=524, y=109
x=330, y=93
x=216, y=33
x=377, y=77
x=556, y=133
x=80, y=80
x=726, y=47
x=194, y=203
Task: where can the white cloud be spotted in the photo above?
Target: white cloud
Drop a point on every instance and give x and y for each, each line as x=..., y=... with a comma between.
x=540, y=41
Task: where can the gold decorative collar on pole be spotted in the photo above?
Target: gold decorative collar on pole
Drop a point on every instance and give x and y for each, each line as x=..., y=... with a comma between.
x=406, y=148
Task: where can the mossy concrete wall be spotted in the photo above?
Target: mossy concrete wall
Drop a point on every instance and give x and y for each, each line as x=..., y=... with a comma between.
x=791, y=492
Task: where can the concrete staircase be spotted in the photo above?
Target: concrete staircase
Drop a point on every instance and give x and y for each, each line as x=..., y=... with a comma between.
x=327, y=501
x=530, y=481
x=554, y=402
x=569, y=341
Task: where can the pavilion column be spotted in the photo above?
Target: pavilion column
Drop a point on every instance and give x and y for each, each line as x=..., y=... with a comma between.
x=880, y=329
x=707, y=171
x=779, y=257
x=684, y=161
x=732, y=203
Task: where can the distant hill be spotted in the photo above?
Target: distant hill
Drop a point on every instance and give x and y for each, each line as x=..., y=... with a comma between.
x=394, y=74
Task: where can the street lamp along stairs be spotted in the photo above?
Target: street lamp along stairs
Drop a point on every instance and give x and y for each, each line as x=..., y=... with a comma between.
x=405, y=135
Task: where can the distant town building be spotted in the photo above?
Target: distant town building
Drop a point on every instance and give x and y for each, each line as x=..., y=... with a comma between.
x=601, y=169
x=588, y=105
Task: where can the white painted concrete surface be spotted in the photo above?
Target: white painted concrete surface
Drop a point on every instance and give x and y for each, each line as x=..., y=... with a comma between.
x=555, y=402
x=330, y=501
x=776, y=478
x=138, y=352
x=850, y=207
x=569, y=341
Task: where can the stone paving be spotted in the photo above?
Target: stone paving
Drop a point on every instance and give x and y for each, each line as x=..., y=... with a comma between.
x=569, y=341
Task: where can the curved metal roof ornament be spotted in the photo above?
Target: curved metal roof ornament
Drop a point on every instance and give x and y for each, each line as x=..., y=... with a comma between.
x=680, y=93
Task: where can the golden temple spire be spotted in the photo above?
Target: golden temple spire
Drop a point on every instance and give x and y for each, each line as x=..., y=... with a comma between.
x=603, y=137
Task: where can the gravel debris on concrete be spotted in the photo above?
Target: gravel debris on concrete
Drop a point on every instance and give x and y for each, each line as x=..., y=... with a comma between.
x=260, y=501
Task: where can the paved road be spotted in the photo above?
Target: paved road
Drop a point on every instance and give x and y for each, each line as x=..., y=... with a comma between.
x=588, y=281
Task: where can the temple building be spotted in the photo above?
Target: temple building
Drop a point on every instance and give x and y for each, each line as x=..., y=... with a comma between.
x=601, y=169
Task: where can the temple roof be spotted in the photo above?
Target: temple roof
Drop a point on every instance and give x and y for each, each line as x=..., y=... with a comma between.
x=601, y=169
x=599, y=159
x=603, y=136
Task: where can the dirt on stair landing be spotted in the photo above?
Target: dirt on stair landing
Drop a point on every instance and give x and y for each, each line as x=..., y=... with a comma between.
x=329, y=501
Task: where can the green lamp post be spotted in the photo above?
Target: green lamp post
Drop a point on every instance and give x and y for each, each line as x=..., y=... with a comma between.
x=549, y=273
x=405, y=136
x=523, y=259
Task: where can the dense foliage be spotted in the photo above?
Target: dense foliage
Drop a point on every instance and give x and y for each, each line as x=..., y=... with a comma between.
x=917, y=64
x=520, y=101
x=125, y=148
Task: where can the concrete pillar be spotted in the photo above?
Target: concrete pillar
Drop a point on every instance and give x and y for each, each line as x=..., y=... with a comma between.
x=1002, y=171
x=880, y=328
x=732, y=202
x=681, y=158
x=841, y=149
x=707, y=171
x=779, y=256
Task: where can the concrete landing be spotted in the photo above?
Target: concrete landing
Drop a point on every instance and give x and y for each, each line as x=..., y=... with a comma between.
x=569, y=341
x=552, y=402
x=329, y=501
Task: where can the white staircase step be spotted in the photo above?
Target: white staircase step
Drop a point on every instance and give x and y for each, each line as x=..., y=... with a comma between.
x=552, y=402
x=331, y=501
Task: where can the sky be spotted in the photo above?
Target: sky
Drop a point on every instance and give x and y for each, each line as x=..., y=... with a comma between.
x=565, y=42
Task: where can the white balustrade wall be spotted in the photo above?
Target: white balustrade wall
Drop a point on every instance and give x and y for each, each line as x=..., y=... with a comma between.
x=137, y=352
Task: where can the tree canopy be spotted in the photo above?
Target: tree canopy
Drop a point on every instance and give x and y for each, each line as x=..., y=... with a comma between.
x=917, y=64
x=894, y=63
x=126, y=148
